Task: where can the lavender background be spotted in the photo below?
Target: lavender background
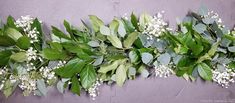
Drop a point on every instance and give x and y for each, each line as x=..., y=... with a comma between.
x=152, y=90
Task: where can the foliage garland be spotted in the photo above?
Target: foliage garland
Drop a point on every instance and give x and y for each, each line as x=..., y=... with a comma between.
x=84, y=58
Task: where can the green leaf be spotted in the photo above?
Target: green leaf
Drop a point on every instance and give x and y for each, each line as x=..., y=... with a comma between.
x=114, y=27
x=13, y=33
x=71, y=68
x=53, y=54
x=56, y=46
x=146, y=57
x=121, y=75
x=5, y=56
x=204, y=71
x=96, y=22
x=106, y=68
x=88, y=76
x=104, y=30
x=6, y=41
x=130, y=39
x=75, y=86
x=23, y=42
x=41, y=86
x=115, y=41
x=11, y=22
x=9, y=88
x=134, y=57
x=134, y=21
x=59, y=33
x=213, y=49
x=36, y=24
x=121, y=29
x=144, y=18
x=19, y=57
x=68, y=27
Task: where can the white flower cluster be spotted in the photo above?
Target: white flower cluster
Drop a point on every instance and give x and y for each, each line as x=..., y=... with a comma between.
x=94, y=90
x=163, y=71
x=2, y=73
x=48, y=73
x=31, y=54
x=215, y=16
x=27, y=83
x=156, y=26
x=25, y=23
x=223, y=78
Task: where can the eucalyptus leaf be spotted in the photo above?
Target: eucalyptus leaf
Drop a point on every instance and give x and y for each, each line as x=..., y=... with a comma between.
x=42, y=86
x=200, y=28
x=231, y=49
x=146, y=57
x=164, y=58
x=93, y=43
x=134, y=57
x=60, y=86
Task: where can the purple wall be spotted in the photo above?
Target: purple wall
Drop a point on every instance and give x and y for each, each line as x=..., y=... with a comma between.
x=152, y=90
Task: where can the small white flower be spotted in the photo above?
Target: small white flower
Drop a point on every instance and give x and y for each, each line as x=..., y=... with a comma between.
x=223, y=78
x=31, y=54
x=94, y=90
x=162, y=71
x=156, y=26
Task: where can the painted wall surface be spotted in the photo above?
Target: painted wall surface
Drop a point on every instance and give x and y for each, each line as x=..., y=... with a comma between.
x=152, y=90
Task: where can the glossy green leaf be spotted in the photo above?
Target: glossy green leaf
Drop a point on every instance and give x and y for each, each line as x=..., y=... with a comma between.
x=6, y=41
x=19, y=57
x=106, y=68
x=71, y=68
x=75, y=86
x=88, y=76
x=115, y=41
x=13, y=33
x=5, y=56
x=53, y=54
x=104, y=30
x=204, y=71
x=128, y=42
x=121, y=75
x=23, y=42
x=96, y=22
